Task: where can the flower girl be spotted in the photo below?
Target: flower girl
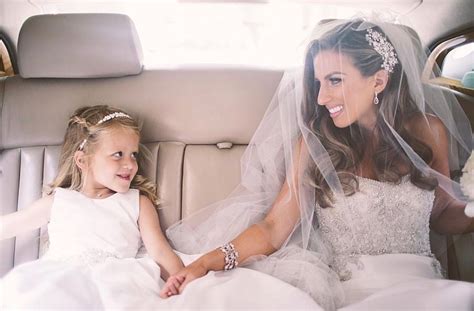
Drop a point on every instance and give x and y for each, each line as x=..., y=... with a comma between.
x=99, y=211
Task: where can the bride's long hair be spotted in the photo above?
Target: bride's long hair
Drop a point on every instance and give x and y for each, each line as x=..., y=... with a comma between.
x=346, y=146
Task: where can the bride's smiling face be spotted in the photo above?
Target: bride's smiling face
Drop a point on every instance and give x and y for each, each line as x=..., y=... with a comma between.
x=344, y=91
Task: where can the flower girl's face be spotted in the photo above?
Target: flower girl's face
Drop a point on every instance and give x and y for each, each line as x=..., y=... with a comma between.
x=345, y=93
x=113, y=163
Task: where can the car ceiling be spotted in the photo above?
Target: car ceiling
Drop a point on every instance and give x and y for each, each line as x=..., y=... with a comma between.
x=432, y=19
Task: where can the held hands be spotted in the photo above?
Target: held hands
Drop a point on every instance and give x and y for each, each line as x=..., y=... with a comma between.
x=176, y=283
x=171, y=286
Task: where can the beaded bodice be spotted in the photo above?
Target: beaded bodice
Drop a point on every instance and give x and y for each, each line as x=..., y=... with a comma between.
x=381, y=218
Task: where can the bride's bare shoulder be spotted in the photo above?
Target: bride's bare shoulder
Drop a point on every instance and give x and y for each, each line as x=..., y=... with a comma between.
x=427, y=128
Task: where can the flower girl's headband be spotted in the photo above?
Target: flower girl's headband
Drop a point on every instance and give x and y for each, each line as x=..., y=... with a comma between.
x=108, y=117
x=384, y=48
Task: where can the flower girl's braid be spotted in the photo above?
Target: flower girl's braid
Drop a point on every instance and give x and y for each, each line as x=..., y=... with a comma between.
x=82, y=123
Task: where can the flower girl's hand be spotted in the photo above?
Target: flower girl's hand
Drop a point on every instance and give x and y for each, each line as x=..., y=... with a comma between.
x=171, y=286
x=176, y=283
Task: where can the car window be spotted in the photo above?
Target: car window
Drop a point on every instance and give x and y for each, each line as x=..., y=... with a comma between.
x=458, y=62
x=6, y=66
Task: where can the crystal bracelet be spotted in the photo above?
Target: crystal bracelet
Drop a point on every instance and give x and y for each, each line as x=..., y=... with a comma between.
x=231, y=256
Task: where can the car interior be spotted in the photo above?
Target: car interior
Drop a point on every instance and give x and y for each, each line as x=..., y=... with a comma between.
x=197, y=116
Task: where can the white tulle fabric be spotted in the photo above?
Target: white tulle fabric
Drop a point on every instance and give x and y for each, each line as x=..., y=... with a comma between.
x=284, y=149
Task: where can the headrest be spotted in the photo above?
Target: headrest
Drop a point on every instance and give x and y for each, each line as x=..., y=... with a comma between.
x=79, y=46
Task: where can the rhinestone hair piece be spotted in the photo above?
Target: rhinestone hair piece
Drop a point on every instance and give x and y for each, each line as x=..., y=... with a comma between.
x=384, y=48
x=114, y=115
x=108, y=117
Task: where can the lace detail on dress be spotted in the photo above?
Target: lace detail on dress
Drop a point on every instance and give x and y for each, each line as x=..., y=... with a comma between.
x=382, y=218
x=88, y=257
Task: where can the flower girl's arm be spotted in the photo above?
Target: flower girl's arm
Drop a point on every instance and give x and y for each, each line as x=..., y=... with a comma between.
x=155, y=241
x=33, y=217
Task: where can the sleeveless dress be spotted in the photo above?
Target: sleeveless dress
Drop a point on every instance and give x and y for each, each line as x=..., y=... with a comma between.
x=95, y=262
x=382, y=254
x=91, y=261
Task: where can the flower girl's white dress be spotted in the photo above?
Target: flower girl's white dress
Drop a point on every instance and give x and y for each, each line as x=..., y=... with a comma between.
x=92, y=264
x=91, y=260
x=380, y=237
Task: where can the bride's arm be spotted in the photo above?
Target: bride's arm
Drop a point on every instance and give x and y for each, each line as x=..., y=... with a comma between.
x=33, y=217
x=263, y=238
x=448, y=213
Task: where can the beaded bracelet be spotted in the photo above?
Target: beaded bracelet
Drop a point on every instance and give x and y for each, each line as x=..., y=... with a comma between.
x=231, y=256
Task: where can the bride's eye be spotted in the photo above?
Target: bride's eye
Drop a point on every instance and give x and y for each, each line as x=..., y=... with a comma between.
x=335, y=81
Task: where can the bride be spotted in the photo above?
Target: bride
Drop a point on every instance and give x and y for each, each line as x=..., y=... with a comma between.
x=344, y=178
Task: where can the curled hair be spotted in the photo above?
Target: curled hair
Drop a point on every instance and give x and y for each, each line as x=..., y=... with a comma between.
x=346, y=146
x=83, y=127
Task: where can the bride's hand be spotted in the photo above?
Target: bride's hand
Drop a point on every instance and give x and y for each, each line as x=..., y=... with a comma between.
x=469, y=209
x=176, y=283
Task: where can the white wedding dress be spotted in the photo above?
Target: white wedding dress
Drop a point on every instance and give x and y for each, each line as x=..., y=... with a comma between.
x=94, y=262
x=380, y=239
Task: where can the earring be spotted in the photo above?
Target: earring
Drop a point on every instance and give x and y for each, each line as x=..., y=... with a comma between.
x=376, y=99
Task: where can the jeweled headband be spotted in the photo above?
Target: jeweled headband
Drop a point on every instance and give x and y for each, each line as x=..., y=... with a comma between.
x=384, y=48
x=108, y=117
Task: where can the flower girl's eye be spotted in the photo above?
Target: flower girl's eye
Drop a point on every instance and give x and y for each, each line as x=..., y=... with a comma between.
x=135, y=155
x=118, y=154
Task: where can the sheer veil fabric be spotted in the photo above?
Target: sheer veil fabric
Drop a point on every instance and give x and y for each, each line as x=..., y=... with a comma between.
x=289, y=149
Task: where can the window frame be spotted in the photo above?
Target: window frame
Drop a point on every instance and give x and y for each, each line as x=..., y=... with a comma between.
x=439, y=51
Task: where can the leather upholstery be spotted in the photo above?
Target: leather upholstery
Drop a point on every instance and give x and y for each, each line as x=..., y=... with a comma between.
x=217, y=169
x=190, y=105
x=79, y=46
